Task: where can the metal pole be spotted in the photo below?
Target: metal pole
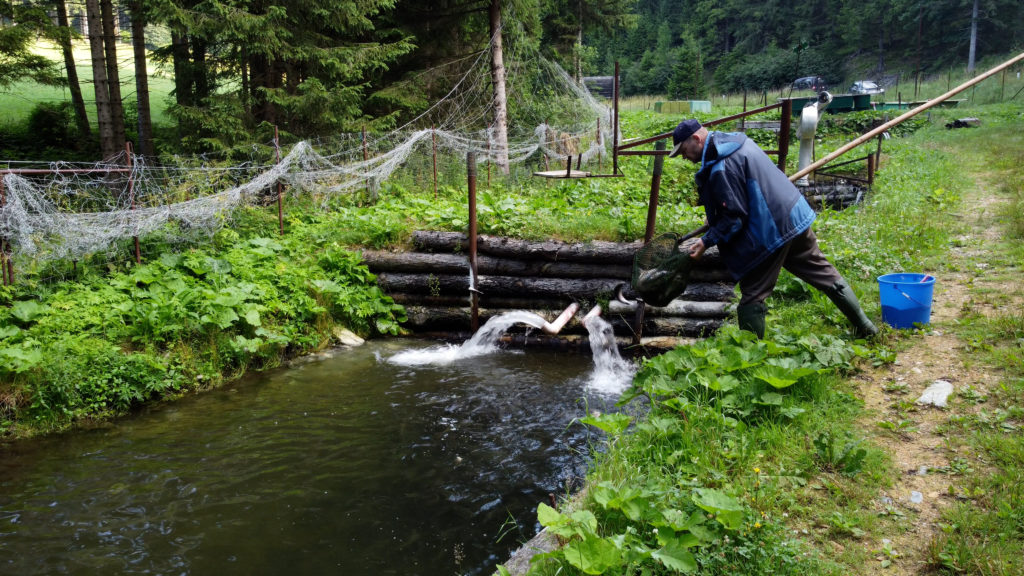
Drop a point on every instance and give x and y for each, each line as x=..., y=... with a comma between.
x=474, y=293
x=131, y=196
x=910, y=113
x=743, y=123
x=433, y=146
x=280, y=188
x=652, y=204
x=600, y=148
x=785, y=124
x=5, y=262
x=615, y=121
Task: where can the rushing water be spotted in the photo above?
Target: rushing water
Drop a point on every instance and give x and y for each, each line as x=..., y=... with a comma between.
x=346, y=465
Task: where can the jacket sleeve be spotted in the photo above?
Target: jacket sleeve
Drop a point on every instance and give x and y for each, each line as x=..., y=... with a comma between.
x=726, y=204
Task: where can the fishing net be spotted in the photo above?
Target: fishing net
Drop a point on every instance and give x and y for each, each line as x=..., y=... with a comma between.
x=661, y=269
x=66, y=211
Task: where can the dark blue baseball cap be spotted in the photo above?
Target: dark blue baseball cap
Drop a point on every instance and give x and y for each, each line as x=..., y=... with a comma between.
x=683, y=131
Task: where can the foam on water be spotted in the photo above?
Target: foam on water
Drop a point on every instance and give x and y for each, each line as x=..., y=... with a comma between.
x=483, y=342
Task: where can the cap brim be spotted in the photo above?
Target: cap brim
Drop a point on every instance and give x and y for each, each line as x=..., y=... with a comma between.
x=677, y=150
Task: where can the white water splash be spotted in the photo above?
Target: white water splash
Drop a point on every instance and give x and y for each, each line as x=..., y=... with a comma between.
x=612, y=374
x=485, y=341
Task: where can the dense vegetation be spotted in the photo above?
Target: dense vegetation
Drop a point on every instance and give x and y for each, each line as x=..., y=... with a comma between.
x=316, y=68
x=754, y=457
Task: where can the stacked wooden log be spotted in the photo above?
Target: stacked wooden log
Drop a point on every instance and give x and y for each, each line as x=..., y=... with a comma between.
x=541, y=277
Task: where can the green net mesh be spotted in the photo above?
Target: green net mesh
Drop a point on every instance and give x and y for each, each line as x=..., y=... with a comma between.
x=661, y=269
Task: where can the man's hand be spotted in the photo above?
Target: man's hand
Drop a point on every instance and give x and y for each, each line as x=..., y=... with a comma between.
x=697, y=249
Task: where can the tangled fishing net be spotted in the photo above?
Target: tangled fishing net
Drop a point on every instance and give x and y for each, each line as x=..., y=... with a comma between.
x=71, y=211
x=661, y=269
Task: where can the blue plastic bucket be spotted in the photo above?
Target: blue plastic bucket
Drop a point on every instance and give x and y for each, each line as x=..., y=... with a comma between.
x=906, y=299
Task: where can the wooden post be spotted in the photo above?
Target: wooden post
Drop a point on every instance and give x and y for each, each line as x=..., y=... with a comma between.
x=474, y=293
x=280, y=187
x=785, y=124
x=433, y=147
x=131, y=196
x=488, y=161
x=878, y=151
x=871, y=169
x=600, y=149
x=652, y=203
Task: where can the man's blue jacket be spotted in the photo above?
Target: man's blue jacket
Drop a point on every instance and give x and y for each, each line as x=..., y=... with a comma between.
x=752, y=207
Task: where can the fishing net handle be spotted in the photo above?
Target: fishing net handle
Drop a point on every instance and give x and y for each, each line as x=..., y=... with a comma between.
x=693, y=233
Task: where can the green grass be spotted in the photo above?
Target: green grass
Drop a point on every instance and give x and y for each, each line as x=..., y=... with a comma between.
x=18, y=101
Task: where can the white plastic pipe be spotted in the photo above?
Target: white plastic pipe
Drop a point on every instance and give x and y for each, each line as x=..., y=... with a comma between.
x=560, y=322
x=594, y=313
x=805, y=132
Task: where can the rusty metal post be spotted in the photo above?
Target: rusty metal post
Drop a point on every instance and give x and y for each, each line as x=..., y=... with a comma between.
x=433, y=147
x=5, y=261
x=474, y=293
x=615, y=121
x=131, y=195
x=871, y=169
x=743, y=121
x=366, y=156
x=280, y=187
x=785, y=124
x=652, y=203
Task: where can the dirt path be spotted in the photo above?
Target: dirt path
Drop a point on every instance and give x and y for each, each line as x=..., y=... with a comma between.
x=928, y=466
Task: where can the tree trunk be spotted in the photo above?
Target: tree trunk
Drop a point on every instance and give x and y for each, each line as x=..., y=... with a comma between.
x=498, y=81
x=113, y=76
x=596, y=251
x=447, y=263
x=881, y=42
x=458, y=264
x=517, y=286
x=974, y=38
x=108, y=145
x=142, y=80
x=77, y=102
x=183, y=93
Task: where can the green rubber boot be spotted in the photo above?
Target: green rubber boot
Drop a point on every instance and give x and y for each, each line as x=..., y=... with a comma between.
x=844, y=299
x=750, y=317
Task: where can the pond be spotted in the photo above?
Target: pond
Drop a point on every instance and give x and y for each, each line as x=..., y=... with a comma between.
x=341, y=464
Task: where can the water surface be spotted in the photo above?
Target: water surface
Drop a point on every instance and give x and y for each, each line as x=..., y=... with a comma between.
x=344, y=465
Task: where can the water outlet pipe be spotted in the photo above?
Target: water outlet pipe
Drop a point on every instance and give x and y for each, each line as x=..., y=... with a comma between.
x=805, y=132
x=560, y=322
x=594, y=313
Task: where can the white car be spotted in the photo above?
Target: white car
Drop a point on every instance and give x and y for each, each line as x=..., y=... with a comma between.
x=866, y=87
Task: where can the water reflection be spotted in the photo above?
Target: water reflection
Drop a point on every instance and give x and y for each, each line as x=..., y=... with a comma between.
x=346, y=465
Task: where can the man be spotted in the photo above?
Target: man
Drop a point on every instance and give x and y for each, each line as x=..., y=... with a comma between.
x=760, y=222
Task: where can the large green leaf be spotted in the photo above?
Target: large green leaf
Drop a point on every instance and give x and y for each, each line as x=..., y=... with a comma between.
x=27, y=310
x=727, y=510
x=614, y=423
x=592, y=555
x=676, y=557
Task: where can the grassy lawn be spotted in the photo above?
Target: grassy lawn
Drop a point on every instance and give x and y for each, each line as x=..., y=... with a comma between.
x=19, y=100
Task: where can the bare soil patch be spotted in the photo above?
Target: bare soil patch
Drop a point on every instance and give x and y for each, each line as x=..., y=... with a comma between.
x=924, y=458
